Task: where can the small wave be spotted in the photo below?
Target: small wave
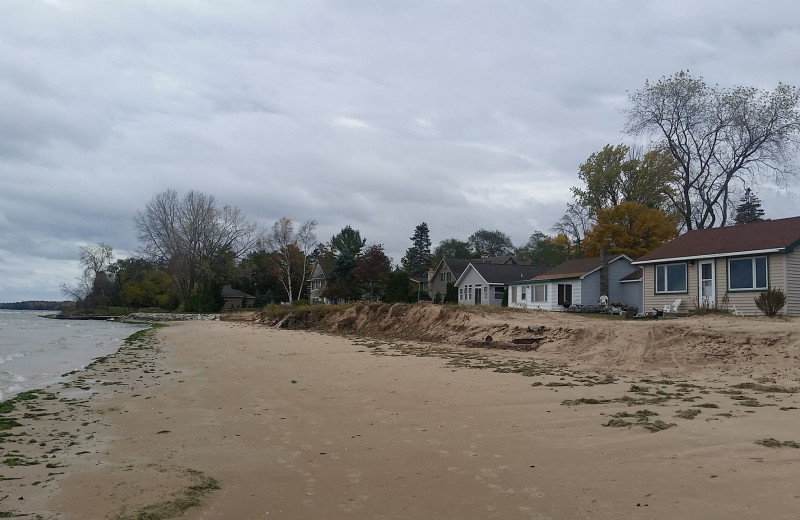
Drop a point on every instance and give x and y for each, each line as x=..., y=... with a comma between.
x=11, y=357
x=10, y=376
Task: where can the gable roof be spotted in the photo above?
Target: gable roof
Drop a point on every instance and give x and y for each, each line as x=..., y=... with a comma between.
x=768, y=236
x=504, y=273
x=578, y=267
x=230, y=292
x=457, y=265
x=324, y=264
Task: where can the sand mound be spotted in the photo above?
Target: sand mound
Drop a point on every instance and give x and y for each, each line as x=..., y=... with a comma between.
x=762, y=347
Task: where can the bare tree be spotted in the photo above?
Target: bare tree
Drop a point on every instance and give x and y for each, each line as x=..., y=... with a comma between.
x=574, y=224
x=96, y=258
x=290, y=252
x=192, y=238
x=717, y=135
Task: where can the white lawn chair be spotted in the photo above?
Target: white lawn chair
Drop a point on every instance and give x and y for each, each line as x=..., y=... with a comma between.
x=737, y=312
x=604, y=301
x=675, y=305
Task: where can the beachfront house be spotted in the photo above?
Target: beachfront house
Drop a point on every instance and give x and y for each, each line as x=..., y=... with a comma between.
x=317, y=281
x=725, y=267
x=449, y=269
x=484, y=283
x=234, y=299
x=580, y=282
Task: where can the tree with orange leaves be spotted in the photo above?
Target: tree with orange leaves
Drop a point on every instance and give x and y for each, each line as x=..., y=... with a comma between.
x=629, y=228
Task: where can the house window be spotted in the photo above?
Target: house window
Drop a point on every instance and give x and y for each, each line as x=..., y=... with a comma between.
x=469, y=289
x=460, y=293
x=448, y=276
x=523, y=293
x=441, y=277
x=499, y=292
x=540, y=293
x=486, y=293
x=747, y=273
x=671, y=278
x=565, y=294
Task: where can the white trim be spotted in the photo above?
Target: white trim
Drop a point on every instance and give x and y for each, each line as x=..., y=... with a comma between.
x=716, y=255
x=700, y=265
x=465, y=273
x=631, y=281
x=584, y=275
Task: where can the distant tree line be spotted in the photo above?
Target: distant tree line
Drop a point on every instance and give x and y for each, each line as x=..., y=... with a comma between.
x=37, y=305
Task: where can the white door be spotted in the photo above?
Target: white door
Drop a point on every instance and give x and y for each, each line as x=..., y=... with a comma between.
x=707, y=284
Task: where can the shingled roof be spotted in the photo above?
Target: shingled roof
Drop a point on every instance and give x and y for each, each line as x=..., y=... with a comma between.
x=767, y=236
x=457, y=265
x=506, y=273
x=576, y=268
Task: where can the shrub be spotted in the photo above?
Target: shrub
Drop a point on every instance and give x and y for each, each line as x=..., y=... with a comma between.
x=771, y=301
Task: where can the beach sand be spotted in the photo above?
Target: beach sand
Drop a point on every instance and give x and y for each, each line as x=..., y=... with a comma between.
x=302, y=425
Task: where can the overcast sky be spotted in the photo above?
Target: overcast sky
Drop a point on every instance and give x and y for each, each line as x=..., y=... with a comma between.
x=374, y=114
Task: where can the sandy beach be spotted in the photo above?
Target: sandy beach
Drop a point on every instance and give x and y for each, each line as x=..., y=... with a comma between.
x=238, y=420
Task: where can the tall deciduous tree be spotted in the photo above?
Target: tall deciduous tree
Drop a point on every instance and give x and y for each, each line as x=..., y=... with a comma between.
x=290, y=252
x=574, y=224
x=544, y=250
x=630, y=229
x=616, y=174
x=715, y=136
x=193, y=240
x=749, y=209
x=490, y=243
x=418, y=257
x=372, y=270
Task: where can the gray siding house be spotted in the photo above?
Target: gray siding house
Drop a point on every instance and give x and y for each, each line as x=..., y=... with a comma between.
x=577, y=282
x=449, y=269
x=317, y=282
x=485, y=284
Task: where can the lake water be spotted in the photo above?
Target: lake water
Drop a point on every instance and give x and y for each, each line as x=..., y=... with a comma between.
x=35, y=350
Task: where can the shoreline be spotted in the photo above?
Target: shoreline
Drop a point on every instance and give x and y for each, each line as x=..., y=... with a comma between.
x=310, y=425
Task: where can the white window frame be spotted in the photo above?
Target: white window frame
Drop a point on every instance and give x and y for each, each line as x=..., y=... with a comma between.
x=522, y=297
x=542, y=286
x=755, y=287
x=666, y=278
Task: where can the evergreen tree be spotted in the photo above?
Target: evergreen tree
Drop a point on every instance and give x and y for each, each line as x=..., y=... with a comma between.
x=749, y=209
x=418, y=257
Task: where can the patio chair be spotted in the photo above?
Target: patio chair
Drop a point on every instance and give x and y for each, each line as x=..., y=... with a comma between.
x=737, y=312
x=604, y=301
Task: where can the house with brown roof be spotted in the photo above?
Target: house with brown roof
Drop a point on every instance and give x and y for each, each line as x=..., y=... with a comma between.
x=449, y=269
x=725, y=266
x=580, y=281
x=485, y=284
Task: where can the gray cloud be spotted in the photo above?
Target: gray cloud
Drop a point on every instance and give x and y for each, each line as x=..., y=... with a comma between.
x=463, y=114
